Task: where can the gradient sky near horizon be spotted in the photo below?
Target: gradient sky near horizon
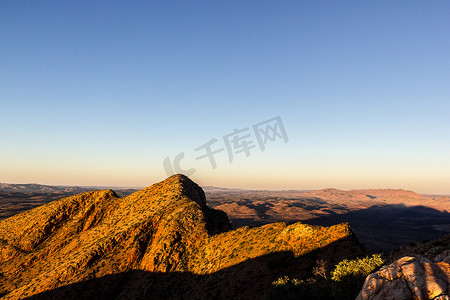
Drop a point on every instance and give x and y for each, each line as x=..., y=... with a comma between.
x=101, y=92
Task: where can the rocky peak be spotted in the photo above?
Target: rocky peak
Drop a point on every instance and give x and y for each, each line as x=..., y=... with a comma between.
x=179, y=185
x=188, y=188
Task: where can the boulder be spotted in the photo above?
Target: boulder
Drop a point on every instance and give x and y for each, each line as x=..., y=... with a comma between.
x=409, y=278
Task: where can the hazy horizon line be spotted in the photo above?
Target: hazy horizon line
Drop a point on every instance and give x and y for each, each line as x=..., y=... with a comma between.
x=227, y=188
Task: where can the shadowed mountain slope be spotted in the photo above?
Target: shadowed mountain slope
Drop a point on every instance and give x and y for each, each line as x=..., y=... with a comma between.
x=250, y=279
x=395, y=224
x=165, y=228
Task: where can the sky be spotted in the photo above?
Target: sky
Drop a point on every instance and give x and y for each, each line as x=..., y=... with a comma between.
x=110, y=93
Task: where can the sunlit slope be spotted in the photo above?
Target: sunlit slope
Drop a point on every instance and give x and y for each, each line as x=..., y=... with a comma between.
x=164, y=228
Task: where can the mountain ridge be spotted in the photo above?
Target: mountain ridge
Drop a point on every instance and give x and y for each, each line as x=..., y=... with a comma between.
x=166, y=228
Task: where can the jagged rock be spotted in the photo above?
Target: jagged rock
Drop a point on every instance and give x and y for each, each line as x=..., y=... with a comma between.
x=408, y=278
x=444, y=257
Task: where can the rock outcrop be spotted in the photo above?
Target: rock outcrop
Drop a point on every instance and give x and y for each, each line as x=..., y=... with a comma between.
x=409, y=278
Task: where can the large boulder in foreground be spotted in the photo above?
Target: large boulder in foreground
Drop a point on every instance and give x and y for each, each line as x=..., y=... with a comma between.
x=409, y=278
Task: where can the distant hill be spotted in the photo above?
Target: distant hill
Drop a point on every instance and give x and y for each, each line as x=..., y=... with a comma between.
x=381, y=196
x=381, y=218
x=41, y=188
x=160, y=242
x=34, y=187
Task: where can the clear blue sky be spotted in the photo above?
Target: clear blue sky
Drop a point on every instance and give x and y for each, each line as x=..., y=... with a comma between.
x=101, y=92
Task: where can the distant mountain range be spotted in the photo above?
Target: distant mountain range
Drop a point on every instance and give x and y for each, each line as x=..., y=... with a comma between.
x=34, y=187
x=381, y=218
x=40, y=188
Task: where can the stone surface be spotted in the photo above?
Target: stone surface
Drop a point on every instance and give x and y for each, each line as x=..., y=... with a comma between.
x=444, y=256
x=409, y=278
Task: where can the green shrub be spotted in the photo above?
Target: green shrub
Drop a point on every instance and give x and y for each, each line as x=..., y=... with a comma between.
x=285, y=280
x=360, y=267
x=346, y=281
x=349, y=275
x=286, y=288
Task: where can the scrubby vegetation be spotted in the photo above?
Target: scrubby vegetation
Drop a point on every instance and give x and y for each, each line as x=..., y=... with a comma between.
x=345, y=280
x=360, y=267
